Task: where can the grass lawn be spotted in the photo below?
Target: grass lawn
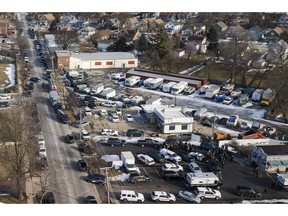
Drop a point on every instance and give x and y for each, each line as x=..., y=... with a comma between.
x=3, y=75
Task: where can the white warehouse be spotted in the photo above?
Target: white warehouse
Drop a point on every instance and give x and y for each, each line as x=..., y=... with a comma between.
x=100, y=60
x=173, y=120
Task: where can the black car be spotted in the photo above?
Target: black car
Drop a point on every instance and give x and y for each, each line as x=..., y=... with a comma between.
x=82, y=165
x=91, y=200
x=84, y=147
x=70, y=138
x=171, y=175
x=34, y=79
x=95, y=179
x=48, y=198
x=138, y=177
x=156, y=156
x=222, y=121
x=92, y=105
x=4, y=104
x=247, y=191
x=185, y=156
x=134, y=133
x=82, y=102
x=114, y=142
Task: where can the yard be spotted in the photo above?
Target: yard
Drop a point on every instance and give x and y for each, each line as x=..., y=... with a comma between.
x=3, y=76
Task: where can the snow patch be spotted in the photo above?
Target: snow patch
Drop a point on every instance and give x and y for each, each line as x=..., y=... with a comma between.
x=10, y=71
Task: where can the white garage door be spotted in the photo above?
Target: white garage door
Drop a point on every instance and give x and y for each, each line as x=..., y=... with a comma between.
x=118, y=64
x=85, y=65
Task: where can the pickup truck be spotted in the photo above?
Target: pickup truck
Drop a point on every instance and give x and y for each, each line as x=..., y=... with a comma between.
x=148, y=142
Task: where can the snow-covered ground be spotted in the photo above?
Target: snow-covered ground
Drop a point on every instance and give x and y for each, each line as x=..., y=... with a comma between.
x=10, y=71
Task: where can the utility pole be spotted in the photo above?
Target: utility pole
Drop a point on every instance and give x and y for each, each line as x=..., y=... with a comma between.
x=107, y=183
x=213, y=126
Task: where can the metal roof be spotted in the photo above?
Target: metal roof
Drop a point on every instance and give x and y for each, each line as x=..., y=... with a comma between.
x=104, y=56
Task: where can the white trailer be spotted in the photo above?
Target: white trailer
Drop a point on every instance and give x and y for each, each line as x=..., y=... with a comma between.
x=206, y=179
x=179, y=87
x=257, y=95
x=167, y=86
x=212, y=91
x=147, y=82
x=155, y=83
x=131, y=81
x=97, y=89
x=282, y=180
x=128, y=161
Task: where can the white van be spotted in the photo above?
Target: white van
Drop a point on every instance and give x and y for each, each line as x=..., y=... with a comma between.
x=87, y=111
x=131, y=196
x=170, y=155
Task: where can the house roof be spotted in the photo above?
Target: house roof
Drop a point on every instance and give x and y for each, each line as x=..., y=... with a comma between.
x=221, y=24
x=104, y=56
x=4, y=21
x=275, y=149
x=49, y=17
x=255, y=29
x=279, y=30
x=196, y=38
x=158, y=21
x=174, y=22
x=106, y=32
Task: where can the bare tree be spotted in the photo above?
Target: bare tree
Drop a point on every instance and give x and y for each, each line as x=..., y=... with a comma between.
x=65, y=38
x=15, y=129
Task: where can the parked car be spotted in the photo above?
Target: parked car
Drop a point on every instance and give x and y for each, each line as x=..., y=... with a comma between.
x=171, y=175
x=41, y=140
x=134, y=133
x=70, y=138
x=185, y=156
x=109, y=132
x=227, y=100
x=102, y=112
x=5, y=97
x=171, y=167
x=84, y=147
x=34, y=79
x=85, y=135
x=95, y=179
x=113, y=142
x=4, y=104
x=194, y=168
x=159, y=158
x=222, y=121
x=42, y=151
x=189, y=196
x=200, y=157
x=82, y=165
x=92, y=105
x=114, y=118
x=82, y=123
x=207, y=192
x=146, y=159
x=247, y=192
x=138, y=177
x=91, y=200
x=162, y=196
x=131, y=196
x=108, y=104
x=129, y=118
x=48, y=198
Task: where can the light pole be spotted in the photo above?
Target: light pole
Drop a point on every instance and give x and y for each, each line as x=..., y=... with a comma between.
x=107, y=182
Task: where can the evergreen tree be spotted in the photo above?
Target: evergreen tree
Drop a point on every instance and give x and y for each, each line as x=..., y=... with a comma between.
x=161, y=43
x=212, y=37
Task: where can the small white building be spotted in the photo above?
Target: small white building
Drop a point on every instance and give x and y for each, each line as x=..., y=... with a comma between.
x=173, y=120
x=149, y=111
x=173, y=27
x=108, y=93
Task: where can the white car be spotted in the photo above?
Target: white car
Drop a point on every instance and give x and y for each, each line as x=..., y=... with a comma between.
x=102, y=112
x=171, y=167
x=109, y=132
x=131, y=196
x=42, y=151
x=189, y=196
x=108, y=104
x=129, y=118
x=227, y=100
x=114, y=118
x=5, y=97
x=41, y=140
x=206, y=192
x=146, y=159
x=85, y=135
x=194, y=168
x=162, y=196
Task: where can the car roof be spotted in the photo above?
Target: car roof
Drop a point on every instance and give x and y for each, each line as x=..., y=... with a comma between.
x=160, y=193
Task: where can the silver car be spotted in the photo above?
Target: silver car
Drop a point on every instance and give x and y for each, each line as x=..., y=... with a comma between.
x=189, y=196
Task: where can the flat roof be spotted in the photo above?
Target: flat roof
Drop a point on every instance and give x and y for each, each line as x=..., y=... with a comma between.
x=275, y=149
x=169, y=78
x=104, y=56
x=175, y=112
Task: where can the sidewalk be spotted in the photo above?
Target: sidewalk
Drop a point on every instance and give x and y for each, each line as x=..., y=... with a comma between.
x=29, y=189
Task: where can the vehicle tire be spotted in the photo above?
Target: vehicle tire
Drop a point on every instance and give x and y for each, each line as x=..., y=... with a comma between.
x=217, y=197
x=202, y=197
x=123, y=144
x=125, y=200
x=112, y=145
x=142, y=146
x=157, y=200
x=139, y=201
x=171, y=201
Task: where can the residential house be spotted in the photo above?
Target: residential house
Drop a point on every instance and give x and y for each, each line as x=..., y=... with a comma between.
x=220, y=27
x=192, y=29
x=166, y=16
x=46, y=19
x=256, y=32
x=283, y=20
x=173, y=27
x=4, y=26
x=154, y=25
x=144, y=25
x=104, y=34
x=277, y=52
x=179, y=52
x=104, y=44
x=200, y=42
x=113, y=23
x=271, y=35
x=131, y=23
x=87, y=31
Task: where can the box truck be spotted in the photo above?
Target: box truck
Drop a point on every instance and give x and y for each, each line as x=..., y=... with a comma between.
x=128, y=161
